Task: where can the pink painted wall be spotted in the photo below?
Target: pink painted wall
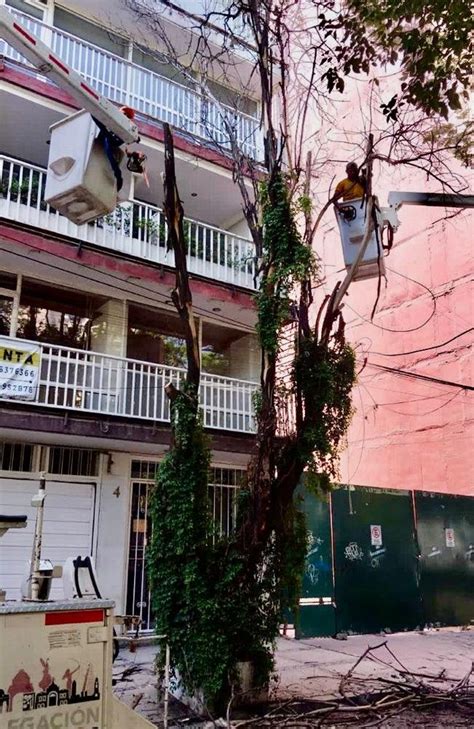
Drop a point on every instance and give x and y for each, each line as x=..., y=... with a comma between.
x=409, y=433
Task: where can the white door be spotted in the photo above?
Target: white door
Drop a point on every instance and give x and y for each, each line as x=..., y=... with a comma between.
x=68, y=528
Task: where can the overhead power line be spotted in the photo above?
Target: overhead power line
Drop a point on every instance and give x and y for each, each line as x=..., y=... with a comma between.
x=417, y=376
x=401, y=331
x=424, y=349
x=146, y=296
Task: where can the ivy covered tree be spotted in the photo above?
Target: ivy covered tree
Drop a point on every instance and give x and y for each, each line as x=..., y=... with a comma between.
x=220, y=599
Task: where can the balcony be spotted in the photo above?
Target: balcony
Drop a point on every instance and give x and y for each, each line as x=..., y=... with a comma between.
x=135, y=228
x=89, y=382
x=155, y=96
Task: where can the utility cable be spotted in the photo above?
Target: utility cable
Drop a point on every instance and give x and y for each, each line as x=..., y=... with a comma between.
x=426, y=412
x=401, y=331
x=162, y=300
x=415, y=375
x=414, y=399
x=422, y=349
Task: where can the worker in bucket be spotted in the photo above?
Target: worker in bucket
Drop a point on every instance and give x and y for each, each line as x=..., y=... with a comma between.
x=352, y=187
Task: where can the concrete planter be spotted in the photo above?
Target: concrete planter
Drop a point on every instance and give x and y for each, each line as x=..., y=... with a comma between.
x=248, y=693
x=245, y=693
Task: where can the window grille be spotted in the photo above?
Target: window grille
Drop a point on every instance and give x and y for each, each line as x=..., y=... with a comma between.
x=73, y=461
x=145, y=470
x=16, y=457
x=223, y=488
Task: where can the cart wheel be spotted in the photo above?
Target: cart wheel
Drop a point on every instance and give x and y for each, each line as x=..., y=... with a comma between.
x=115, y=647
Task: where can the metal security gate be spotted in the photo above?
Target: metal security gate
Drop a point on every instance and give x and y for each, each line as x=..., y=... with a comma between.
x=445, y=527
x=316, y=615
x=223, y=487
x=376, y=565
x=138, y=594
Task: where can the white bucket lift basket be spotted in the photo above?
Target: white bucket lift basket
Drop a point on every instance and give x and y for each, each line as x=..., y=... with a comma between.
x=351, y=219
x=80, y=182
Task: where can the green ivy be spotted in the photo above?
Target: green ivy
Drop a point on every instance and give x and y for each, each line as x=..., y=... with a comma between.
x=286, y=261
x=325, y=375
x=212, y=611
x=196, y=577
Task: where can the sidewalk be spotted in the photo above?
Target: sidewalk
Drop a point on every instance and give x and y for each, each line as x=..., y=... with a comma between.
x=313, y=669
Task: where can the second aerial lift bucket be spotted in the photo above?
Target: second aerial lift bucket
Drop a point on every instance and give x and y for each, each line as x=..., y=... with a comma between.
x=85, y=177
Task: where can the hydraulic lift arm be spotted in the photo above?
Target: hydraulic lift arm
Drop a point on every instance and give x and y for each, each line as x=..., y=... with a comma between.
x=430, y=199
x=42, y=58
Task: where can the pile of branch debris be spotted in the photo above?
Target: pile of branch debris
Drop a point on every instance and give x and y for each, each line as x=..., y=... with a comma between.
x=372, y=701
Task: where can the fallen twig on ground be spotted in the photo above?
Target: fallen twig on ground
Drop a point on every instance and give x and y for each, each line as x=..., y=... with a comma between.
x=127, y=672
x=382, y=699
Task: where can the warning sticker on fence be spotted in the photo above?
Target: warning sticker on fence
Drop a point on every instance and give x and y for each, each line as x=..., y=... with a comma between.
x=376, y=535
x=449, y=533
x=19, y=369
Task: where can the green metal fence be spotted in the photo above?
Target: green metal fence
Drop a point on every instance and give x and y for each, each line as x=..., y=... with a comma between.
x=445, y=528
x=317, y=613
x=382, y=559
x=375, y=560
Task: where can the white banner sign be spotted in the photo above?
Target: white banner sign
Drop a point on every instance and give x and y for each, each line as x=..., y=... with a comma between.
x=19, y=369
x=376, y=535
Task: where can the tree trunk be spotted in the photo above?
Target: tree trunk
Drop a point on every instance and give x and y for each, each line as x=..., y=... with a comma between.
x=181, y=294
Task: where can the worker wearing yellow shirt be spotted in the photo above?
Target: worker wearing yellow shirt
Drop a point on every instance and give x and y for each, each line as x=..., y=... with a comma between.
x=352, y=187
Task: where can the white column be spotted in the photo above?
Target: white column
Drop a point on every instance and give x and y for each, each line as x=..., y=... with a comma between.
x=244, y=357
x=109, y=330
x=107, y=377
x=15, y=306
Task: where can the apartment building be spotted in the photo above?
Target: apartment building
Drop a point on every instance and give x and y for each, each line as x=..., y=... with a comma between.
x=92, y=302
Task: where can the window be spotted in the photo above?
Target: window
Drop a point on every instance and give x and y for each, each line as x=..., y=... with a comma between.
x=89, y=32
x=56, y=315
x=223, y=487
x=229, y=352
x=31, y=7
x=227, y=476
x=155, y=336
x=216, y=345
x=7, y=294
x=8, y=281
x=6, y=305
x=73, y=461
x=144, y=470
x=149, y=60
x=231, y=98
x=16, y=457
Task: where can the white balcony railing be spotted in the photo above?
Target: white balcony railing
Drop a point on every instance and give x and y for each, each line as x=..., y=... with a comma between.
x=80, y=381
x=156, y=96
x=135, y=228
